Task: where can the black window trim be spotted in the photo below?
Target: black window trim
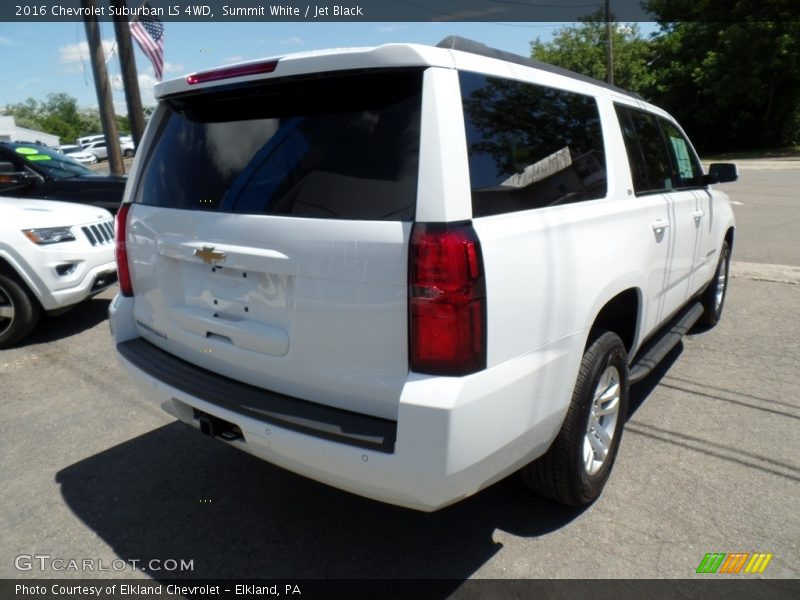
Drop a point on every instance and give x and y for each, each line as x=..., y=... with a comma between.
x=640, y=151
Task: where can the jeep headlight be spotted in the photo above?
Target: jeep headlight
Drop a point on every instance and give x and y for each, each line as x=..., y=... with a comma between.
x=49, y=235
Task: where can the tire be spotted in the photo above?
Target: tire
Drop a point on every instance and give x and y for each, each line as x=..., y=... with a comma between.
x=19, y=310
x=570, y=472
x=127, y=153
x=713, y=298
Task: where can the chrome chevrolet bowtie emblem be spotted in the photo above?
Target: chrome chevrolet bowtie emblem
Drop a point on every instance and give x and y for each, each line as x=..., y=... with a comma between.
x=208, y=256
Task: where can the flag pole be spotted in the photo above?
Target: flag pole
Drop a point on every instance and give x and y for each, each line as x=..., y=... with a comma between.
x=127, y=62
x=103, y=89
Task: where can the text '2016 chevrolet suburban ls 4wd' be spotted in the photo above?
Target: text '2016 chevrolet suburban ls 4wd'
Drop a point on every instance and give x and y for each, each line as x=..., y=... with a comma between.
x=409, y=271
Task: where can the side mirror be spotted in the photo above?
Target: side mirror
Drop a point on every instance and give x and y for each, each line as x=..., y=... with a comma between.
x=11, y=179
x=721, y=173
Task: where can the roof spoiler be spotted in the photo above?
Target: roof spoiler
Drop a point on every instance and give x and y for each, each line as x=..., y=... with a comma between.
x=454, y=42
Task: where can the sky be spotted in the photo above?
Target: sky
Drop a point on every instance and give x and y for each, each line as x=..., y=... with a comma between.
x=43, y=58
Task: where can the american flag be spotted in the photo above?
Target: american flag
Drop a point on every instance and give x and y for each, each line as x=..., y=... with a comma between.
x=149, y=34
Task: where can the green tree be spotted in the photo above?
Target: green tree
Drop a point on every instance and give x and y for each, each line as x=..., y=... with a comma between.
x=729, y=70
x=60, y=115
x=91, y=121
x=25, y=113
x=123, y=124
x=582, y=48
x=734, y=85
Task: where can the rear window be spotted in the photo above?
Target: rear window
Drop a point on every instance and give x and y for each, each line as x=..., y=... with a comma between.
x=343, y=147
x=530, y=146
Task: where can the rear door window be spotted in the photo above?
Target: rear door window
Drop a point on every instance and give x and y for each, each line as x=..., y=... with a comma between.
x=337, y=147
x=530, y=146
x=660, y=156
x=647, y=151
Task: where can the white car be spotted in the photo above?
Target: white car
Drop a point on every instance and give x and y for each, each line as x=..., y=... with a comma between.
x=99, y=149
x=413, y=291
x=88, y=139
x=52, y=256
x=77, y=153
x=128, y=148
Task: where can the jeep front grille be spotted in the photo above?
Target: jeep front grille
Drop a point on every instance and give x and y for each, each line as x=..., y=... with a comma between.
x=100, y=233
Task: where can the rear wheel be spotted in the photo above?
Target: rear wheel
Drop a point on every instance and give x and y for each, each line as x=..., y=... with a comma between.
x=19, y=310
x=576, y=467
x=713, y=298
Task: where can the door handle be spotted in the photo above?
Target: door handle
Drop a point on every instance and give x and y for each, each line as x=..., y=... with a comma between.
x=699, y=214
x=659, y=226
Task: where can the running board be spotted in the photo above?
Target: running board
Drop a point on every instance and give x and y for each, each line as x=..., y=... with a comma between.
x=660, y=346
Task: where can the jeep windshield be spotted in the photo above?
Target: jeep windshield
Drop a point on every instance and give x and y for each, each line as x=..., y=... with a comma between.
x=50, y=163
x=343, y=147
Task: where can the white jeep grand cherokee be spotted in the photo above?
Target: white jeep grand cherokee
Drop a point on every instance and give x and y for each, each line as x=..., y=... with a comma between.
x=52, y=256
x=409, y=271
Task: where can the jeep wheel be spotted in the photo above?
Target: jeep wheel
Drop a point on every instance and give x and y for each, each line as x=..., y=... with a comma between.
x=577, y=465
x=713, y=298
x=19, y=311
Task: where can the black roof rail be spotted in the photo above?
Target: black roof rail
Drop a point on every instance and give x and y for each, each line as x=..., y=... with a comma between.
x=455, y=42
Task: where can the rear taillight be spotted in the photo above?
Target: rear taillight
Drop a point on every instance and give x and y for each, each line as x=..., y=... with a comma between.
x=120, y=231
x=447, y=300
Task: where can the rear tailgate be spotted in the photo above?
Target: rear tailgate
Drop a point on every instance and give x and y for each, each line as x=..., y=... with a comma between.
x=269, y=237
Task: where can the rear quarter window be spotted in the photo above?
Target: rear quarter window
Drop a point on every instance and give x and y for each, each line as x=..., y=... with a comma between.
x=337, y=147
x=530, y=146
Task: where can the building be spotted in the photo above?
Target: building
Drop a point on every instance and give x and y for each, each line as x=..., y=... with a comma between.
x=10, y=132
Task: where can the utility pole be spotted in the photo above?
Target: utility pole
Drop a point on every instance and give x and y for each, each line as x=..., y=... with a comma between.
x=128, y=66
x=609, y=46
x=103, y=89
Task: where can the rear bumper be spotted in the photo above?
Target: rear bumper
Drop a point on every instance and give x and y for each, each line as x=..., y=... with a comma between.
x=452, y=436
x=346, y=427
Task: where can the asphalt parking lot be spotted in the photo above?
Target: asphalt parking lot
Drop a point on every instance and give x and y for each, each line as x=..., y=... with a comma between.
x=710, y=460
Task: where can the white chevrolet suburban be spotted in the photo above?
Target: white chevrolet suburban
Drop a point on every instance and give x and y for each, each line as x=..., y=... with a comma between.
x=53, y=255
x=409, y=271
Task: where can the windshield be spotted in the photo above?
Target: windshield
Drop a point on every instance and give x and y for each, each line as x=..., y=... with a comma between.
x=50, y=162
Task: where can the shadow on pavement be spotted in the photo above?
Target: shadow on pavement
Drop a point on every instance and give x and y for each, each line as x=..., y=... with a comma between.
x=84, y=316
x=642, y=390
x=172, y=493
